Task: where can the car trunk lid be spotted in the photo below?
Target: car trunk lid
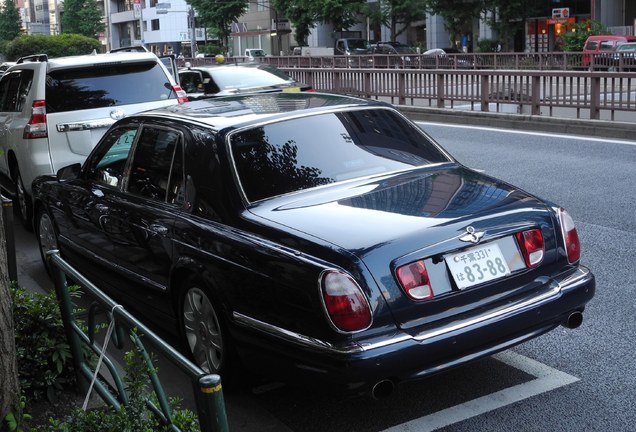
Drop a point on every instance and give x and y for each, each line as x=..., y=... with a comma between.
x=428, y=215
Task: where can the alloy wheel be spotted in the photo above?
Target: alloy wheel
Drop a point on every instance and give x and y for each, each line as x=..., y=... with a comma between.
x=202, y=330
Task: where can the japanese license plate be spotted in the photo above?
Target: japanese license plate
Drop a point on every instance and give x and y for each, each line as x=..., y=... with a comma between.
x=477, y=265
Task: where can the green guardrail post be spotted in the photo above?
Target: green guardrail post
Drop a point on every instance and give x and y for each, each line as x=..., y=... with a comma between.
x=210, y=404
x=68, y=317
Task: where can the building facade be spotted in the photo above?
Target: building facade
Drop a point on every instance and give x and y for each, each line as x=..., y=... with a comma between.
x=166, y=27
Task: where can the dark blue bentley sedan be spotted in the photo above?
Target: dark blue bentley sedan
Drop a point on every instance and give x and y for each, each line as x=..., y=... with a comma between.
x=313, y=236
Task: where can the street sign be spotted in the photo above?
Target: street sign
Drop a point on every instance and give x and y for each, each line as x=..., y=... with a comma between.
x=560, y=13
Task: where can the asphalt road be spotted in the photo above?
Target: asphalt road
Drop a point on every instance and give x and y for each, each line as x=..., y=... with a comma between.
x=567, y=380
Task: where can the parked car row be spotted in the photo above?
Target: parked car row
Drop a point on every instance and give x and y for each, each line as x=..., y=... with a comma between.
x=306, y=236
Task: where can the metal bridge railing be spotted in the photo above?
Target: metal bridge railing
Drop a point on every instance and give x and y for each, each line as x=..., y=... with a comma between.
x=207, y=388
x=581, y=95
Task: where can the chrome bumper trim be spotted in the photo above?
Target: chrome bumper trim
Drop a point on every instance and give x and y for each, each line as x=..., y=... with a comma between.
x=581, y=276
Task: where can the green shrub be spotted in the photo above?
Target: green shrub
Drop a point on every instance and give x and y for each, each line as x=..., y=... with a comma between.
x=44, y=360
x=576, y=35
x=53, y=46
x=135, y=417
x=487, y=45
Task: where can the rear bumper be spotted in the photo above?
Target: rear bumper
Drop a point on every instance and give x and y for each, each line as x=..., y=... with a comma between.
x=403, y=357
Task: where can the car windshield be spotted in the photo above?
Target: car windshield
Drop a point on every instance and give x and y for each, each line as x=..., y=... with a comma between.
x=241, y=77
x=627, y=47
x=302, y=153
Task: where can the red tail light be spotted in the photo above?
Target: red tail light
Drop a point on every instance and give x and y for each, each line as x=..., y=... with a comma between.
x=345, y=303
x=181, y=94
x=36, y=127
x=570, y=236
x=414, y=280
x=532, y=247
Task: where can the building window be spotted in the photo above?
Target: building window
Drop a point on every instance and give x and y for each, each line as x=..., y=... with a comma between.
x=153, y=3
x=154, y=24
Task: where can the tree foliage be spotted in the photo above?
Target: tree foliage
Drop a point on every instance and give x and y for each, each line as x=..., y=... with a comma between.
x=219, y=15
x=397, y=15
x=82, y=17
x=456, y=14
x=499, y=14
x=301, y=14
x=10, y=24
x=575, y=40
x=53, y=46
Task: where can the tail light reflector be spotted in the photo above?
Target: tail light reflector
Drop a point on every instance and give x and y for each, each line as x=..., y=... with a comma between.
x=570, y=236
x=532, y=246
x=414, y=280
x=36, y=127
x=182, y=96
x=345, y=303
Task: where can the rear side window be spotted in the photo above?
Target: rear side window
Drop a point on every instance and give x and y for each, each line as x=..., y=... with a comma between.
x=106, y=85
x=14, y=90
x=607, y=45
x=591, y=45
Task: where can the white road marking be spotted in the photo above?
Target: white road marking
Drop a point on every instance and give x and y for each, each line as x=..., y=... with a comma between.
x=547, y=379
x=523, y=132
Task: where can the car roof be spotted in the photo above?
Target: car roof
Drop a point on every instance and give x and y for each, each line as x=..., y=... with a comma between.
x=256, y=65
x=92, y=59
x=237, y=111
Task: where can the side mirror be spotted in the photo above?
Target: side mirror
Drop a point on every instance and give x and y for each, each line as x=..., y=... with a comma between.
x=69, y=172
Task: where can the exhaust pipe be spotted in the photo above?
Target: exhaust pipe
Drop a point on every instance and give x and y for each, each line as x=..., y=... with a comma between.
x=574, y=320
x=382, y=389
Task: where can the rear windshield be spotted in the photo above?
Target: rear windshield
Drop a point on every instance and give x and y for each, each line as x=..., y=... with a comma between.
x=106, y=86
x=316, y=150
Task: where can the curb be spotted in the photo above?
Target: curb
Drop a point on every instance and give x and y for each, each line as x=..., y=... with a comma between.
x=569, y=126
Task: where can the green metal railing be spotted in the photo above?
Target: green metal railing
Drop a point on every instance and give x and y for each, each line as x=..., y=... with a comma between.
x=207, y=388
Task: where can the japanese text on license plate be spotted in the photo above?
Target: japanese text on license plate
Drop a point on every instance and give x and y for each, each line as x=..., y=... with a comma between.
x=477, y=265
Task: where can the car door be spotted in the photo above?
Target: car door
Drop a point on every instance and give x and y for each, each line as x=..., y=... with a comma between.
x=124, y=217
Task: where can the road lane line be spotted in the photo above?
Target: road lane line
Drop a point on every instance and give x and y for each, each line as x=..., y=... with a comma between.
x=524, y=132
x=547, y=379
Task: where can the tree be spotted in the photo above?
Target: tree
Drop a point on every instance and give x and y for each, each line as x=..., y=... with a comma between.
x=301, y=14
x=219, y=15
x=503, y=12
x=9, y=388
x=574, y=39
x=397, y=15
x=10, y=24
x=457, y=14
x=341, y=14
x=82, y=17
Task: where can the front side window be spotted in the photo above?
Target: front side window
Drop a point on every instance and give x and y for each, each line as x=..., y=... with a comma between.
x=107, y=165
x=151, y=173
x=107, y=85
x=311, y=151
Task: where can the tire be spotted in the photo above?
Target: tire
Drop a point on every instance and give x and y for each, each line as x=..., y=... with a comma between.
x=203, y=333
x=22, y=202
x=47, y=237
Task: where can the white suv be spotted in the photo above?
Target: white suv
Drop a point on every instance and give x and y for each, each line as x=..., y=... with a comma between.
x=53, y=111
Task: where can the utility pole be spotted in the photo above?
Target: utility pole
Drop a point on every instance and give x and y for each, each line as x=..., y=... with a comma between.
x=193, y=38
